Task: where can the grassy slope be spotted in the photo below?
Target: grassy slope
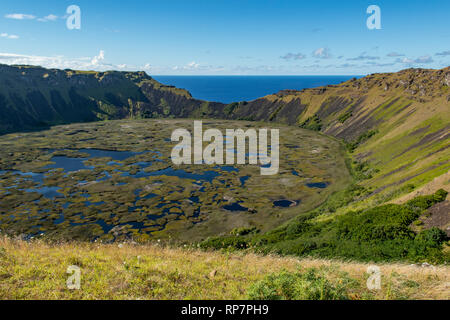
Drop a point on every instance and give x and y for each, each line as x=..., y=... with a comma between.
x=34, y=270
x=408, y=114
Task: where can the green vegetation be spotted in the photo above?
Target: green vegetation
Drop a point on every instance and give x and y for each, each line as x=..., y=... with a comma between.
x=351, y=146
x=107, y=199
x=37, y=269
x=230, y=108
x=345, y=116
x=308, y=285
x=313, y=123
x=381, y=233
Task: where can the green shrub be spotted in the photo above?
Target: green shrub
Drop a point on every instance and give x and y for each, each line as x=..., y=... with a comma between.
x=230, y=108
x=344, y=117
x=295, y=228
x=243, y=231
x=380, y=223
x=232, y=242
x=425, y=202
x=351, y=146
x=418, y=223
x=440, y=195
x=296, y=286
x=376, y=234
x=313, y=123
x=433, y=237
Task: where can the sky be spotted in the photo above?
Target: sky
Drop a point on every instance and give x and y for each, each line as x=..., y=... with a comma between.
x=228, y=37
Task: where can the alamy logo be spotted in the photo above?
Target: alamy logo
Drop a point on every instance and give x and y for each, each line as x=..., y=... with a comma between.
x=74, y=280
x=74, y=17
x=374, y=280
x=214, y=152
x=374, y=21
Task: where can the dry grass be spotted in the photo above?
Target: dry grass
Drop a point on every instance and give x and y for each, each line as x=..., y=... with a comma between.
x=37, y=270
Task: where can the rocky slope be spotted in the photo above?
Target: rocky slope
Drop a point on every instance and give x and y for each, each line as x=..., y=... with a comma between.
x=349, y=109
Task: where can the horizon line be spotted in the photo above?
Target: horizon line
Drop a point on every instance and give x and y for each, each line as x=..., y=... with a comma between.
x=257, y=75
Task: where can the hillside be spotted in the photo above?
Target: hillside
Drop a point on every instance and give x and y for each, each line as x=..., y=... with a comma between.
x=396, y=126
x=35, y=98
x=37, y=270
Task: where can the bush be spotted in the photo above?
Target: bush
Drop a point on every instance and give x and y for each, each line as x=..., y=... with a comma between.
x=433, y=237
x=314, y=123
x=232, y=242
x=230, y=108
x=295, y=228
x=376, y=234
x=343, y=117
x=243, y=231
x=425, y=202
x=342, y=198
x=440, y=195
x=361, y=139
x=296, y=286
x=380, y=223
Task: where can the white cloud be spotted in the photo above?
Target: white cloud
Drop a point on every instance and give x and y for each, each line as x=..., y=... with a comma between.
x=99, y=63
x=50, y=17
x=419, y=60
x=9, y=36
x=62, y=62
x=322, y=53
x=11, y=58
x=23, y=16
x=363, y=56
x=97, y=59
x=192, y=65
x=20, y=16
x=293, y=56
x=190, y=68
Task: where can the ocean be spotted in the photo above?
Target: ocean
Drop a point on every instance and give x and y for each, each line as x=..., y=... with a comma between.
x=229, y=89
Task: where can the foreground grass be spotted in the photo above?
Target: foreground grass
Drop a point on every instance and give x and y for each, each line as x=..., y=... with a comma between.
x=37, y=270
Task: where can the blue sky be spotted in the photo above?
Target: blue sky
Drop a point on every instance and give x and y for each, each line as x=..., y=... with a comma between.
x=199, y=37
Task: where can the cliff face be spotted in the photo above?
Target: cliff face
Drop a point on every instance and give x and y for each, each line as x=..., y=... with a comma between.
x=34, y=97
